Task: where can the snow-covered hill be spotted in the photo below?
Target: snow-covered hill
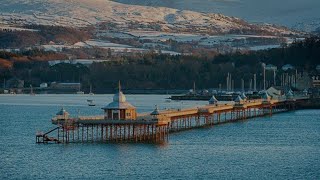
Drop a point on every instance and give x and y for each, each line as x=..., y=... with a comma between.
x=298, y=14
x=123, y=16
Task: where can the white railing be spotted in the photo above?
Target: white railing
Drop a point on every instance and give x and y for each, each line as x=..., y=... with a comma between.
x=83, y=118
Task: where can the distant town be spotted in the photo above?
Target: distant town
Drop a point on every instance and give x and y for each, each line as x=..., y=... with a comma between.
x=295, y=66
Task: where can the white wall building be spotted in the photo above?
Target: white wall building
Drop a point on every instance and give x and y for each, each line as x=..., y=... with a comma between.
x=43, y=85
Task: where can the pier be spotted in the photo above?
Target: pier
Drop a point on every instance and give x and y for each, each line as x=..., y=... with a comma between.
x=121, y=124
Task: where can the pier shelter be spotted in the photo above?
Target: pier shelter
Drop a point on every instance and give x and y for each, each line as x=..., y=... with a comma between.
x=119, y=109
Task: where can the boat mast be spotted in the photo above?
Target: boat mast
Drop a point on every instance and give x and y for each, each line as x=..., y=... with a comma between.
x=31, y=89
x=79, y=84
x=194, y=87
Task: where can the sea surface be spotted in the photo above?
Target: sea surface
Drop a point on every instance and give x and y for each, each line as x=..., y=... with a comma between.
x=284, y=146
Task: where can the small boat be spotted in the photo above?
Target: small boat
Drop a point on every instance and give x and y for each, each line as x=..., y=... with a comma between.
x=91, y=102
x=79, y=92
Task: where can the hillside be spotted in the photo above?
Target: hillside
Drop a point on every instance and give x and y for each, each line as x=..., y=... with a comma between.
x=298, y=14
x=79, y=13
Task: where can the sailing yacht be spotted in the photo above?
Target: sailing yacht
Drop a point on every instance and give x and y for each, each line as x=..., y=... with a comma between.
x=79, y=90
x=91, y=93
x=31, y=91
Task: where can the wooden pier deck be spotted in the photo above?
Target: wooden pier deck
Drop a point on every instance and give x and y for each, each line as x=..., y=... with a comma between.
x=147, y=128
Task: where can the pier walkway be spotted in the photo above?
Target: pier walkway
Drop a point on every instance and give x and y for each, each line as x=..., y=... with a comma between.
x=155, y=127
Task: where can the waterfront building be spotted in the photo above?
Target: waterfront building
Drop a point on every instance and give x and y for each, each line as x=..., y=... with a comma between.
x=56, y=85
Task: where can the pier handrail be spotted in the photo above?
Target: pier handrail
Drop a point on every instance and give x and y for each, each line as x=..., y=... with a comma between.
x=98, y=117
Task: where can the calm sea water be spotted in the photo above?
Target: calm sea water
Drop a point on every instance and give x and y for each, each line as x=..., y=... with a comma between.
x=284, y=146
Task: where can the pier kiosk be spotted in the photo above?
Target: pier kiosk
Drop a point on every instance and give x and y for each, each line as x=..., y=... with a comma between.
x=119, y=109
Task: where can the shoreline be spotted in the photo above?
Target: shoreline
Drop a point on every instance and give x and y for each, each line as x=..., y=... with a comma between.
x=107, y=91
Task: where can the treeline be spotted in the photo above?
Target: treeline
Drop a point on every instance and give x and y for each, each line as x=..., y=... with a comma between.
x=302, y=54
x=41, y=34
x=9, y=61
x=31, y=55
x=178, y=72
x=160, y=71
